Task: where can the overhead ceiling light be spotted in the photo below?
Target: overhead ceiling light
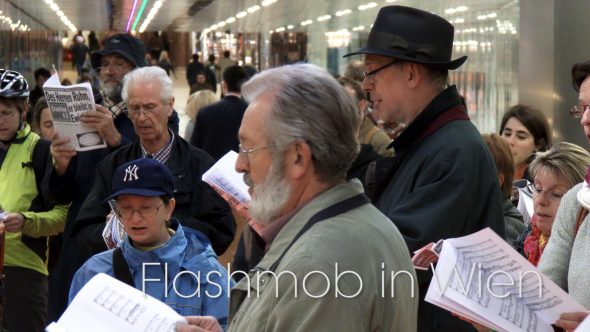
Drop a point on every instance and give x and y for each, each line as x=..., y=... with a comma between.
x=450, y=11
x=389, y=1
x=306, y=22
x=461, y=8
x=220, y=24
x=459, y=20
x=343, y=12
x=367, y=6
x=150, y=16
x=62, y=17
x=230, y=20
x=267, y=2
x=324, y=18
x=281, y=29
x=131, y=16
x=214, y=27
x=253, y=9
x=138, y=17
x=290, y=26
x=359, y=28
x=241, y=14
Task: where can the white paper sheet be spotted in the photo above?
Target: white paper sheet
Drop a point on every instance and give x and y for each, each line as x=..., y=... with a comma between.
x=498, y=287
x=107, y=304
x=585, y=326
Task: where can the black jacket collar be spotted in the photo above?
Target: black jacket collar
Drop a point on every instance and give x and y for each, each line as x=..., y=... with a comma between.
x=444, y=101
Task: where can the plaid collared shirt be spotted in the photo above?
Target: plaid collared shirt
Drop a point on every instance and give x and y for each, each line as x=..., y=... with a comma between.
x=164, y=154
x=115, y=108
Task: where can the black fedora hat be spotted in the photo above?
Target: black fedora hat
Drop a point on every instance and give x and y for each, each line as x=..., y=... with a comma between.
x=414, y=35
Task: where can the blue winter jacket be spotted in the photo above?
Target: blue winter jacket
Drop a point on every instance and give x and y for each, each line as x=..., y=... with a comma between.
x=201, y=287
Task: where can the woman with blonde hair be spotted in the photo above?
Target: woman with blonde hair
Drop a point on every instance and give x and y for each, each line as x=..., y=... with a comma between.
x=554, y=173
x=195, y=102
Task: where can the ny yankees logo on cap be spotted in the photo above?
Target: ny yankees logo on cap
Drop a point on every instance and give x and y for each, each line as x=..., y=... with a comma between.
x=142, y=177
x=131, y=173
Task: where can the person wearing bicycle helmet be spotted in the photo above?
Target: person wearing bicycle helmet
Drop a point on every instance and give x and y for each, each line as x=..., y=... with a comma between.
x=30, y=218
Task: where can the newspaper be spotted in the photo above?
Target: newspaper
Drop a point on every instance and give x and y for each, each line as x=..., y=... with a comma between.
x=482, y=278
x=67, y=103
x=107, y=304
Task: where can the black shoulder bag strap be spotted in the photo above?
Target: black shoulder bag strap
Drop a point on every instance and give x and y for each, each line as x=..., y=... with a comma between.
x=327, y=213
x=121, y=268
x=41, y=153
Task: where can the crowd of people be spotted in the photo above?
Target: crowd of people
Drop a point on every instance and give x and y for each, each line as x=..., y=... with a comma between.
x=350, y=174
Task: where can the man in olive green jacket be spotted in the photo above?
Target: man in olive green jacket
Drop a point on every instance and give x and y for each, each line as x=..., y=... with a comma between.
x=333, y=262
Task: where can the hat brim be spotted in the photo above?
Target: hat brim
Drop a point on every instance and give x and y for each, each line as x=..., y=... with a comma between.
x=137, y=192
x=97, y=55
x=451, y=65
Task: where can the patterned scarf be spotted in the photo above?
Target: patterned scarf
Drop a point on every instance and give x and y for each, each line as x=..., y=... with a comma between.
x=535, y=243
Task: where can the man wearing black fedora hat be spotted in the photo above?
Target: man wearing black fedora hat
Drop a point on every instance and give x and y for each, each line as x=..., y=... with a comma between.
x=442, y=181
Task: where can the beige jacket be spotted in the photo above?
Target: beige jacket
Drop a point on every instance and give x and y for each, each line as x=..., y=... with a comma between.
x=360, y=240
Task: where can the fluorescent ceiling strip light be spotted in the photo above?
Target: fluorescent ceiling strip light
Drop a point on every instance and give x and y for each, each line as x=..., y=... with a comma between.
x=131, y=15
x=141, y=9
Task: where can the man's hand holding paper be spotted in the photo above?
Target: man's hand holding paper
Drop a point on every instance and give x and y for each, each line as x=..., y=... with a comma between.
x=102, y=121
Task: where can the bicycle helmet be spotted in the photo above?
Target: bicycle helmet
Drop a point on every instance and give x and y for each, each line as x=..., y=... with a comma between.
x=13, y=84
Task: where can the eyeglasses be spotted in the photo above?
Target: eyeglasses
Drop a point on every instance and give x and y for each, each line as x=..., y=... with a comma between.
x=133, y=112
x=577, y=111
x=7, y=115
x=371, y=75
x=125, y=212
x=115, y=66
x=551, y=195
x=246, y=152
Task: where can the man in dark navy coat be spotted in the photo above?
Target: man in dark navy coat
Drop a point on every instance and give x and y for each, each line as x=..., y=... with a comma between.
x=217, y=125
x=442, y=181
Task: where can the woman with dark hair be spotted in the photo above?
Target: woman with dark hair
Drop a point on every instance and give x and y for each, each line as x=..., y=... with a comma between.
x=527, y=131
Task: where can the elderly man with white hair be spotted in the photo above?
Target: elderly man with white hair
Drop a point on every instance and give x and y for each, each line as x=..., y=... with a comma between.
x=333, y=262
x=148, y=94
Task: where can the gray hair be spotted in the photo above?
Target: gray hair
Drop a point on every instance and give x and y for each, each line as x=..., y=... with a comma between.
x=309, y=105
x=148, y=74
x=563, y=159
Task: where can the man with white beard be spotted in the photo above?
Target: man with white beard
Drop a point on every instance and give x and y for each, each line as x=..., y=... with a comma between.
x=331, y=258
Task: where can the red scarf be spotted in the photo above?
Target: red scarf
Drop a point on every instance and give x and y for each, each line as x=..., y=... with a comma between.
x=535, y=243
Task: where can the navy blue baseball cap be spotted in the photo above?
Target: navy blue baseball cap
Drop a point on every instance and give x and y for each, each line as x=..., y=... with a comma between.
x=142, y=177
x=124, y=45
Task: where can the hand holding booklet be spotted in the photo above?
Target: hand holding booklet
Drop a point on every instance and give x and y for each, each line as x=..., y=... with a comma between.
x=229, y=184
x=107, y=304
x=67, y=104
x=482, y=278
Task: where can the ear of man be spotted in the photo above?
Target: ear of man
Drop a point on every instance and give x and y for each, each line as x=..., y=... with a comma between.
x=298, y=160
x=170, y=106
x=415, y=74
